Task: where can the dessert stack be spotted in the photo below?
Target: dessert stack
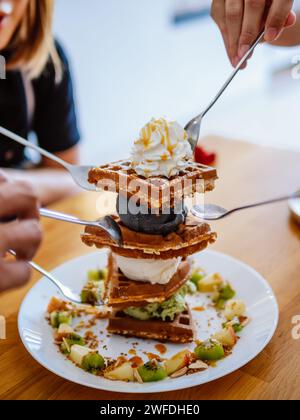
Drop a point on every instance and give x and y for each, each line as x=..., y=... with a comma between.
x=148, y=274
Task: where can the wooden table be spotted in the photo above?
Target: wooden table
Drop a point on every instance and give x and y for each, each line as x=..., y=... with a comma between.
x=266, y=238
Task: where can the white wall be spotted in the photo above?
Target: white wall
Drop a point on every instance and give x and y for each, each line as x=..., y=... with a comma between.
x=131, y=64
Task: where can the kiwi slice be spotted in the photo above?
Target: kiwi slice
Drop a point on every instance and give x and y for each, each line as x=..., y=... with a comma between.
x=152, y=372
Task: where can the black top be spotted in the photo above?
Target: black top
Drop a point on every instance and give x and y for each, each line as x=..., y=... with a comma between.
x=54, y=119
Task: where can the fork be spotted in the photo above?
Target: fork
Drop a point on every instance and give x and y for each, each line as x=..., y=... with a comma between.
x=193, y=127
x=64, y=290
x=79, y=173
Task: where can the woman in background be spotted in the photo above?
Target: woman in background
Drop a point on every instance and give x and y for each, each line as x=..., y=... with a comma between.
x=36, y=96
x=240, y=22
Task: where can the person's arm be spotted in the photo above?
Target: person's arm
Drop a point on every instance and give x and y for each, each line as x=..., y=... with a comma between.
x=50, y=182
x=55, y=124
x=19, y=231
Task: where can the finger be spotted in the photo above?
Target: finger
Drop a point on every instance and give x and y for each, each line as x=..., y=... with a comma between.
x=291, y=20
x=277, y=17
x=218, y=15
x=18, y=200
x=13, y=274
x=234, y=10
x=3, y=177
x=23, y=237
x=252, y=23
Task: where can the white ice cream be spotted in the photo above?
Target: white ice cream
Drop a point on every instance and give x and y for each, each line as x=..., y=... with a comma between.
x=161, y=150
x=151, y=271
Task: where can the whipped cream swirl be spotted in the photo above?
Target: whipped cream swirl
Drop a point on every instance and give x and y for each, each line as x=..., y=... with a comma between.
x=161, y=150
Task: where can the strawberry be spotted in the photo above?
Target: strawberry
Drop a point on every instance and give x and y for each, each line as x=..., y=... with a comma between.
x=204, y=157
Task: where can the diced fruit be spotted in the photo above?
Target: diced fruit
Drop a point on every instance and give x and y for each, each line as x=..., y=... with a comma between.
x=92, y=362
x=152, y=372
x=57, y=318
x=235, y=324
x=223, y=295
x=121, y=373
x=209, y=350
x=69, y=341
x=237, y=328
x=177, y=361
x=234, y=308
x=78, y=353
x=92, y=292
x=210, y=284
x=204, y=157
x=227, y=292
x=88, y=296
x=96, y=275
x=220, y=304
x=196, y=276
x=64, y=330
x=226, y=337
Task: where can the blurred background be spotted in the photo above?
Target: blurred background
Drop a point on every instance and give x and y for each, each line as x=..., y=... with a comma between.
x=137, y=59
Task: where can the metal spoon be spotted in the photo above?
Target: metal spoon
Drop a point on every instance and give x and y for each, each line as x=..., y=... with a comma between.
x=193, y=127
x=108, y=224
x=64, y=290
x=214, y=212
x=78, y=172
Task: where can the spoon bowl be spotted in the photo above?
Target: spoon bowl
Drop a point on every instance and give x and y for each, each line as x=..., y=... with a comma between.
x=215, y=212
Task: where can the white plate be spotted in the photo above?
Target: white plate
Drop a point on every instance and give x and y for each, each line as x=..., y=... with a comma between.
x=250, y=286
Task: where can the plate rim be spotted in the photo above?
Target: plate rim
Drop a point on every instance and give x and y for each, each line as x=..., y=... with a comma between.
x=174, y=387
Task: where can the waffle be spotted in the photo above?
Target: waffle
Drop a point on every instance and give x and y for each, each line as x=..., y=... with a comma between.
x=157, y=191
x=191, y=237
x=122, y=292
x=181, y=330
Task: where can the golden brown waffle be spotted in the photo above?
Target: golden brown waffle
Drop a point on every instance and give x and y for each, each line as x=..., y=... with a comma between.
x=122, y=292
x=154, y=192
x=181, y=330
x=192, y=237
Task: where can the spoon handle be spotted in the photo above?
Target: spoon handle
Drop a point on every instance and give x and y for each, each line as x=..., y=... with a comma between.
x=41, y=271
x=50, y=214
x=263, y=203
x=234, y=73
x=26, y=143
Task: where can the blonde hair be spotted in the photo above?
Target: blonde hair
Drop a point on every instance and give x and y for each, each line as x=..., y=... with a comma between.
x=33, y=44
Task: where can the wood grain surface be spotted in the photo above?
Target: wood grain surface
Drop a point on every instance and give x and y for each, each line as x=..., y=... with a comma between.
x=265, y=238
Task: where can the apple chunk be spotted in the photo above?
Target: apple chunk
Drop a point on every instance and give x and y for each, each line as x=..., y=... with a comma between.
x=226, y=337
x=78, y=353
x=120, y=373
x=177, y=362
x=210, y=284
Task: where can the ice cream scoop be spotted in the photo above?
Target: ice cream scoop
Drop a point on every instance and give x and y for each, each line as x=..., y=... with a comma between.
x=142, y=220
x=147, y=270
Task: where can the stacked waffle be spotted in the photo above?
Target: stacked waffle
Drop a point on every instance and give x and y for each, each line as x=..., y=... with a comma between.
x=148, y=273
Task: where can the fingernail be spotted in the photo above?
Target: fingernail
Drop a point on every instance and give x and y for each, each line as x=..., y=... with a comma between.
x=271, y=34
x=243, y=49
